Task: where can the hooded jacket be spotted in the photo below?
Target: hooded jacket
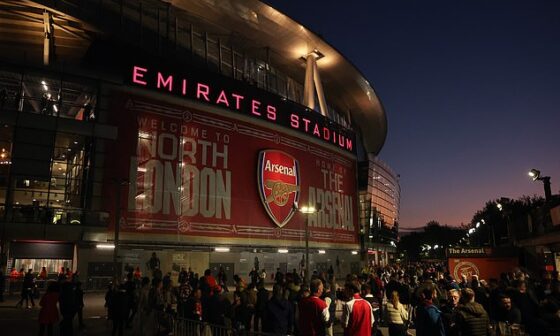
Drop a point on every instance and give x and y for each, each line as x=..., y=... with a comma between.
x=472, y=320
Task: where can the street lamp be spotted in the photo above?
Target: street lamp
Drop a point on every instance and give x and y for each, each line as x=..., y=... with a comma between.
x=307, y=210
x=535, y=174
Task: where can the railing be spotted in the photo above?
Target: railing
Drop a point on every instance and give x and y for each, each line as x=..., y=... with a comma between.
x=186, y=327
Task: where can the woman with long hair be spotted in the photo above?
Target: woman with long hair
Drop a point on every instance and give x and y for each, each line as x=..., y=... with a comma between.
x=397, y=316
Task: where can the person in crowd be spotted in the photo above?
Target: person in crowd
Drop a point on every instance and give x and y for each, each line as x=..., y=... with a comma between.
x=262, y=276
x=111, y=288
x=279, y=277
x=132, y=298
x=137, y=274
x=69, y=274
x=220, y=309
x=43, y=274
x=464, y=283
x=27, y=290
x=448, y=311
x=61, y=274
x=67, y=304
x=254, y=276
x=278, y=316
x=260, y=306
x=2, y=284
x=120, y=309
x=242, y=313
x=48, y=315
x=357, y=314
x=507, y=312
x=193, y=306
x=397, y=316
x=183, y=295
x=183, y=276
x=208, y=283
x=428, y=320
x=79, y=295
x=313, y=312
x=329, y=296
x=144, y=325
x=154, y=263
x=471, y=318
x=222, y=279
x=157, y=304
x=526, y=303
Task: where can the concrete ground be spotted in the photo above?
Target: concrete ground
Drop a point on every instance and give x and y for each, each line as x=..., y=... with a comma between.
x=23, y=321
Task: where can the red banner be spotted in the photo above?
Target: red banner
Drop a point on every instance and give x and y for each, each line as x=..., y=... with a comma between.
x=485, y=268
x=198, y=174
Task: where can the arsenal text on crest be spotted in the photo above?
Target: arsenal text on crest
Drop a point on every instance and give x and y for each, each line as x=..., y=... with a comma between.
x=278, y=168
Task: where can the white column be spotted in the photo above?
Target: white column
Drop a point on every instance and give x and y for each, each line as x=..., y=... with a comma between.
x=308, y=88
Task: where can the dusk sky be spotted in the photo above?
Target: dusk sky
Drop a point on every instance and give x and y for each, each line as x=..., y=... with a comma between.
x=471, y=89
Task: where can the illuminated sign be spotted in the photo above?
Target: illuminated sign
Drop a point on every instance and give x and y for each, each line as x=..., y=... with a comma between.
x=278, y=180
x=243, y=98
x=193, y=176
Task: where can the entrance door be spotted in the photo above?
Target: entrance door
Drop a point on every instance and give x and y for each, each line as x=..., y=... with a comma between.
x=283, y=267
x=322, y=267
x=228, y=268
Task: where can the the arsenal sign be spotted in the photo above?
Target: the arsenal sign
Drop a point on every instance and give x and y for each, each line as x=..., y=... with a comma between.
x=278, y=180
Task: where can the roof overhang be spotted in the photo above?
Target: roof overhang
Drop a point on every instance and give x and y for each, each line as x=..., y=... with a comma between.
x=257, y=26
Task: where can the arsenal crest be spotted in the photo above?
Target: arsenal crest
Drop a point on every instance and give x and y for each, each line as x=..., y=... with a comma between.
x=278, y=179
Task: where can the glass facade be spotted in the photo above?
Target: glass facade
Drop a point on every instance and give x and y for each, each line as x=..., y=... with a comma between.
x=46, y=163
x=379, y=201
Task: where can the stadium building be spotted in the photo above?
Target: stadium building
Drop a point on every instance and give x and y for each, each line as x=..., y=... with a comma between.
x=185, y=128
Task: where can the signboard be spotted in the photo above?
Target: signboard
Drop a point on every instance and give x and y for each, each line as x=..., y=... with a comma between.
x=278, y=180
x=469, y=251
x=485, y=268
x=194, y=174
x=241, y=98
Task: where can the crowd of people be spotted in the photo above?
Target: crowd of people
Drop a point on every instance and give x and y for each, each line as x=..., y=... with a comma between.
x=420, y=296
x=63, y=297
x=424, y=297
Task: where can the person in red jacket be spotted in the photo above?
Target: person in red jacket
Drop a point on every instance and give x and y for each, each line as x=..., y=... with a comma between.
x=357, y=314
x=313, y=312
x=48, y=315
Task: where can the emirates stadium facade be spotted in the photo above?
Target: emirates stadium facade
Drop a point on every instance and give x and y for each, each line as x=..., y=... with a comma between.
x=184, y=128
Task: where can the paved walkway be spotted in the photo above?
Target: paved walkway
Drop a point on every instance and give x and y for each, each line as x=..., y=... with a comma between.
x=22, y=321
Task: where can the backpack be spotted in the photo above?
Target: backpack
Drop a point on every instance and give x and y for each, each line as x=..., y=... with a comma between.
x=184, y=292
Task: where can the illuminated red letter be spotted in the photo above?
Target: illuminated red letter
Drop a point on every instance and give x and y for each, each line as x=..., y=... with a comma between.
x=294, y=120
x=255, y=107
x=271, y=112
x=349, y=144
x=326, y=133
x=238, y=99
x=222, y=98
x=166, y=82
x=316, y=131
x=306, y=121
x=184, y=87
x=137, y=75
x=200, y=92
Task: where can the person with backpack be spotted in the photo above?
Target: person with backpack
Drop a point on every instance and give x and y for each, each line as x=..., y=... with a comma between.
x=429, y=320
x=183, y=294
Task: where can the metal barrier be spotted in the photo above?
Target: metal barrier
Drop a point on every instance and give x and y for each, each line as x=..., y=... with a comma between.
x=186, y=327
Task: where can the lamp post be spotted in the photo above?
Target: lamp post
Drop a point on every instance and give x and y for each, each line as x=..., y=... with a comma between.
x=535, y=174
x=307, y=210
x=504, y=207
x=119, y=184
